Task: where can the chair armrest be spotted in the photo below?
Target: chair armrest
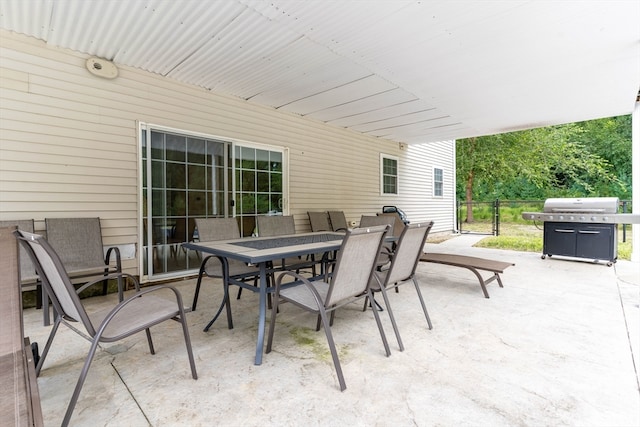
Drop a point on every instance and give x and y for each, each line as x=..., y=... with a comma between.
x=107, y=259
x=107, y=277
x=384, y=257
x=224, y=265
x=305, y=281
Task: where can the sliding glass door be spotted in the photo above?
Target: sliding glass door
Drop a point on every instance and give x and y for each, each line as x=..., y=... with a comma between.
x=187, y=176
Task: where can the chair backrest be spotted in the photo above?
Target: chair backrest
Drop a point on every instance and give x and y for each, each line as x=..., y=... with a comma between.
x=407, y=254
x=398, y=224
x=77, y=241
x=54, y=278
x=355, y=264
x=211, y=229
x=338, y=221
x=319, y=221
x=372, y=221
x=275, y=225
x=27, y=270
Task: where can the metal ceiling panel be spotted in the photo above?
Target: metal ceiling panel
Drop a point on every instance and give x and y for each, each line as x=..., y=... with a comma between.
x=335, y=71
x=418, y=120
x=364, y=105
x=381, y=114
x=235, y=50
x=32, y=20
x=486, y=67
x=354, y=90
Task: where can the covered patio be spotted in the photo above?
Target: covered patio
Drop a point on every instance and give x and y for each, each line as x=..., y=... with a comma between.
x=558, y=345
x=328, y=80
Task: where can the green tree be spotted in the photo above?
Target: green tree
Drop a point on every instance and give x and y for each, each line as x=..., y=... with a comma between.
x=550, y=161
x=610, y=139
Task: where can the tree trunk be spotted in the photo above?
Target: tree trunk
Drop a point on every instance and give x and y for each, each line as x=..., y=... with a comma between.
x=469, y=197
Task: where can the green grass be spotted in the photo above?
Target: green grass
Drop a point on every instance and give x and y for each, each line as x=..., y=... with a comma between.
x=509, y=212
x=528, y=238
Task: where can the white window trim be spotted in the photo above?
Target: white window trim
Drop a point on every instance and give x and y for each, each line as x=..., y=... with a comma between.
x=397, y=160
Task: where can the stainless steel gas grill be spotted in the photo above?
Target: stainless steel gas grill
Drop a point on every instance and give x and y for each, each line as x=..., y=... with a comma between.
x=582, y=227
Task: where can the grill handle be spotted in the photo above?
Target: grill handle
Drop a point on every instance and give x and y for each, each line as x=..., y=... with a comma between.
x=578, y=210
x=588, y=232
x=563, y=230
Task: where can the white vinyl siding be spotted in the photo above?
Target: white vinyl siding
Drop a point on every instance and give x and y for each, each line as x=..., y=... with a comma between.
x=68, y=146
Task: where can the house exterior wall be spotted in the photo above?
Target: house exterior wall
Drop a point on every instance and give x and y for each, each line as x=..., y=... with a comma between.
x=69, y=146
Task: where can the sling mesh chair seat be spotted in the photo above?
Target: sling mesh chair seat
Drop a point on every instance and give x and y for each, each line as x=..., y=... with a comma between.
x=209, y=230
x=402, y=269
x=350, y=281
x=138, y=312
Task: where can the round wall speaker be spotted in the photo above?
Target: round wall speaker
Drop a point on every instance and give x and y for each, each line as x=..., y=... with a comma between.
x=102, y=68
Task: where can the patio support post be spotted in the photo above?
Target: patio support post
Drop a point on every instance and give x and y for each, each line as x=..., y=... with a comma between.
x=635, y=178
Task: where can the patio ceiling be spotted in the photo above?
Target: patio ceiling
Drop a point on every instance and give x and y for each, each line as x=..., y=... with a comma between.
x=409, y=71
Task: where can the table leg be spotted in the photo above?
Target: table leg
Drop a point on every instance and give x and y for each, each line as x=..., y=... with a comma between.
x=263, y=312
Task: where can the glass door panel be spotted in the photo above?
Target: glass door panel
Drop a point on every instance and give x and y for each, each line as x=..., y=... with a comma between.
x=258, y=185
x=187, y=177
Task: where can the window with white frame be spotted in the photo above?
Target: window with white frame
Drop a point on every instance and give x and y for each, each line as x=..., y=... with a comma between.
x=388, y=174
x=438, y=182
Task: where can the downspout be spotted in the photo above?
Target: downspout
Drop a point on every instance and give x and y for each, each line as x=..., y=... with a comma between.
x=455, y=186
x=635, y=178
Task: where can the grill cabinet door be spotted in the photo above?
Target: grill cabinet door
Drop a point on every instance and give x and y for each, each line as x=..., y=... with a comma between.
x=560, y=238
x=596, y=241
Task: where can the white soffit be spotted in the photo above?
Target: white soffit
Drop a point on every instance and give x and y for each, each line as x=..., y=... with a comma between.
x=410, y=71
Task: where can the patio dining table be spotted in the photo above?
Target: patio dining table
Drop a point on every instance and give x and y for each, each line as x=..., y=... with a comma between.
x=261, y=251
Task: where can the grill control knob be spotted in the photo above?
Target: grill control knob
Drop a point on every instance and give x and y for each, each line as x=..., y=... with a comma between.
x=605, y=218
x=550, y=217
x=593, y=218
x=561, y=217
x=582, y=218
x=571, y=218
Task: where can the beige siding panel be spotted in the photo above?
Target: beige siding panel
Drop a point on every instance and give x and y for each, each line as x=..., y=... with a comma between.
x=36, y=176
x=11, y=79
x=69, y=145
x=35, y=185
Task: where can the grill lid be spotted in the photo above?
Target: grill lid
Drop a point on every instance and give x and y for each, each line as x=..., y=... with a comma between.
x=584, y=204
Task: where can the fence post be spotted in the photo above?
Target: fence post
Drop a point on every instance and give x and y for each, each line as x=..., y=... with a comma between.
x=459, y=215
x=496, y=217
x=624, y=226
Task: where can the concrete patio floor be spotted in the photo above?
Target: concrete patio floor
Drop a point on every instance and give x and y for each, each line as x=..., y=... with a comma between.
x=558, y=345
